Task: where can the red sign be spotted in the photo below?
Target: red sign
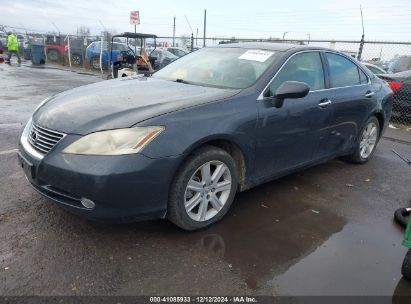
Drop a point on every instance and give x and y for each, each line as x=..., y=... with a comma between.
x=135, y=17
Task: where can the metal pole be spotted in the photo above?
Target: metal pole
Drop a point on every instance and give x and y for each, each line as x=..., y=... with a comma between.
x=362, y=38
x=101, y=54
x=197, y=37
x=192, y=41
x=174, y=32
x=205, y=27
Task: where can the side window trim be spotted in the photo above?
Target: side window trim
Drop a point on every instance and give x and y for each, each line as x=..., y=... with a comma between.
x=266, y=88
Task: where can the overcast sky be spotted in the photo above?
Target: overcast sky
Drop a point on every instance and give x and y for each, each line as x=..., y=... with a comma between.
x=321, y=19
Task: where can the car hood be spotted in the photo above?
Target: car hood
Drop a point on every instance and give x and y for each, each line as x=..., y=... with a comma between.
x=120, y=103
x=399, y=75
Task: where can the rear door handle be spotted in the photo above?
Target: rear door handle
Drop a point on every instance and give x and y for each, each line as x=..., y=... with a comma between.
x=325, y=103
x=369, y=94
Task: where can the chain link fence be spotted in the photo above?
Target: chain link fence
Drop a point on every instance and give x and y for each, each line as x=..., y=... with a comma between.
x=390, y=61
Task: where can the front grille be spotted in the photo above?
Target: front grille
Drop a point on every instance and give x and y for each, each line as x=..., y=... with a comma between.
x=43, y=140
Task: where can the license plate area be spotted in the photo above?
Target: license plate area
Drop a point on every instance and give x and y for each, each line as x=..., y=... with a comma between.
x=28, y=168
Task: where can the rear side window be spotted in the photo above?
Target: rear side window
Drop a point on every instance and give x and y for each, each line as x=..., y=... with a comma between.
x=304, y=67
x=344, y=72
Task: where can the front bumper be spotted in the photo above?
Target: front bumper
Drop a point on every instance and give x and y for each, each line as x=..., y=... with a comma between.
x=124, y=188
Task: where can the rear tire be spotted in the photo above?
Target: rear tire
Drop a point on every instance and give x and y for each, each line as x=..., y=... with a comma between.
x=366, y=142
x=196, y=201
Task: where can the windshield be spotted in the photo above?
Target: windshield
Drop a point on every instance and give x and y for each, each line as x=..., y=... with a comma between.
x=234, y=68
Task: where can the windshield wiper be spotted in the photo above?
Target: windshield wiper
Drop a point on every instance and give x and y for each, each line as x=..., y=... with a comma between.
x=182, y=81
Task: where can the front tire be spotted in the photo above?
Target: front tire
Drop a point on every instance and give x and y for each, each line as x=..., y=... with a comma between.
x=203, y=189
x=366, y=143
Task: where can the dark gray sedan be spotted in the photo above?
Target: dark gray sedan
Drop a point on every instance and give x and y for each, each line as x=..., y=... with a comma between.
x=181, y=143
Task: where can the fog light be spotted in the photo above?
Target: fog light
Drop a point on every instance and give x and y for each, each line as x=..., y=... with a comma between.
x=87, y=203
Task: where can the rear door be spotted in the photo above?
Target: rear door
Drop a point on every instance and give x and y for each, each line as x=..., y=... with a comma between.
x=353, y=99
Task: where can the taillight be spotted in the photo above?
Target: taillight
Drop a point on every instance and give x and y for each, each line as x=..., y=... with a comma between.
x=395, y=85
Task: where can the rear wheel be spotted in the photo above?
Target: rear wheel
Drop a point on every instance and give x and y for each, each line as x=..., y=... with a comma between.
x=53, y=55
x=76, y=59
x=95, y=63
x=367, y=142
x=203, y=189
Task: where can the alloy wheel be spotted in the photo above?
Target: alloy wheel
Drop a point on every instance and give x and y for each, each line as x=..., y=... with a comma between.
x=368, y=140
x=207, y=191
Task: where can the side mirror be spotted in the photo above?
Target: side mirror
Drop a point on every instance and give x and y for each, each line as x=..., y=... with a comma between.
x=292, y=89
x=288, y=89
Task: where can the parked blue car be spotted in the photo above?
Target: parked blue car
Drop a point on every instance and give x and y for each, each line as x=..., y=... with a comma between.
x=181, y=143
x=93, y=53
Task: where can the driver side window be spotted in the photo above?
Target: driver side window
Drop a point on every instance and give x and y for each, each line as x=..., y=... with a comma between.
x=304, y=67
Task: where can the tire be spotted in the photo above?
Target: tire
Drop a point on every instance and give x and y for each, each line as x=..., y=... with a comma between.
x=406, y=266
x=400, y=217
x=53, y=55
x=203, y=211
x=76, y=59
x=358, y=157
x=95, y=63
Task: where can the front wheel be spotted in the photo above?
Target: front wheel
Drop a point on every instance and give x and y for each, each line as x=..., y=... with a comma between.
x=366, y=143
x=53, y=55
x=203, y=189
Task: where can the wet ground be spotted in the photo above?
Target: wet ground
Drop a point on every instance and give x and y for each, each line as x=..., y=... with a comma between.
x=327, y=230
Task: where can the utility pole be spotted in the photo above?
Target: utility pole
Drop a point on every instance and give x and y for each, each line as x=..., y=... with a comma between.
x=205, y=28
x=196, y=36
x=174, y=32
x=362, y=38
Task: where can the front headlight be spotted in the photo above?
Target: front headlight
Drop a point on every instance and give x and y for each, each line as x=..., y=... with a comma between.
x=114, y=142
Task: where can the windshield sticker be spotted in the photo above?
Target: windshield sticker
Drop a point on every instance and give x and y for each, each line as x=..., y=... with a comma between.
x=256, y=55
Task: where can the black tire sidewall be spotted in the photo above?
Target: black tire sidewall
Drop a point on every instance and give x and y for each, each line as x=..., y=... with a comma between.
x=176, y=209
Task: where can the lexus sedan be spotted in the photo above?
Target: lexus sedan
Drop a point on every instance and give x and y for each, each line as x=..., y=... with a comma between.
x=181, y=143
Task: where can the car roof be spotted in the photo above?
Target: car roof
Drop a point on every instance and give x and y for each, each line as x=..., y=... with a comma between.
x=271, y=46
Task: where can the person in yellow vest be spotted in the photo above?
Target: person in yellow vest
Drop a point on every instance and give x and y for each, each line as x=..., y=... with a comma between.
x=12, y=47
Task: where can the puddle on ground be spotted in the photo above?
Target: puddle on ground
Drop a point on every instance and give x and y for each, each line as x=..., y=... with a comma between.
x=267, y=231
x=355, y=261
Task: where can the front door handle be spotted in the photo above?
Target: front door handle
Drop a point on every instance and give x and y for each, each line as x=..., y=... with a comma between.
x=369, y=94
x=325, y=103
